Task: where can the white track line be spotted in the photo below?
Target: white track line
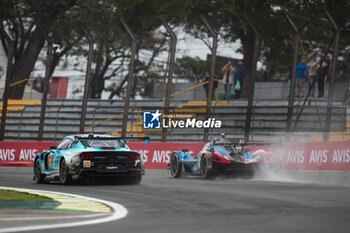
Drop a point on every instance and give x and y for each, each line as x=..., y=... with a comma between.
x=53, y=217
x=118, y=212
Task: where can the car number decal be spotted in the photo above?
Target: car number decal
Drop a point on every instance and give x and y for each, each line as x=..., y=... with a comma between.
x=86, y=164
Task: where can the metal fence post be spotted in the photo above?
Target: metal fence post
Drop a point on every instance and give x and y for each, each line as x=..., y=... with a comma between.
x=57, y=113
x=318, y=71
x=20, y=125
x=87, y=78
x=212, y=73
x=130, y=76
x=46, y=82
x=251, y=80
x=170, y=70
x=7, y=82
x=94, y=118
x=331, y=81
x=294, y=67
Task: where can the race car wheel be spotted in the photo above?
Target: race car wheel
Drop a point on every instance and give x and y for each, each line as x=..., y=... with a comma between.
x=135, y=179
x=65, y=178
x=205, y=173
x=38, y=176
x=175, y=166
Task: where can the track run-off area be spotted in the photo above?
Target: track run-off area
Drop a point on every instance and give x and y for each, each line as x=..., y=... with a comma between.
x=282, y=202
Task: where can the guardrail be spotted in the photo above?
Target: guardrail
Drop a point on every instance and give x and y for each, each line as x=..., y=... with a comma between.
x=320, y=118
x=193, y=87
x=109, y=119
x=133, y=109
x=21, y=81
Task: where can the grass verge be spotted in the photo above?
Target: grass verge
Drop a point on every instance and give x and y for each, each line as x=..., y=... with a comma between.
x=11, y=195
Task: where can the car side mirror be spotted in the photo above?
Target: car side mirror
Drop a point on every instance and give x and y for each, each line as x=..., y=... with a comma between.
x=53, y=148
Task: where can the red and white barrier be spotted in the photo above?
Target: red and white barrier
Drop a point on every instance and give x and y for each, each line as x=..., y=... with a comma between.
x=21, y=154
x=316, y=156
x=156, y=155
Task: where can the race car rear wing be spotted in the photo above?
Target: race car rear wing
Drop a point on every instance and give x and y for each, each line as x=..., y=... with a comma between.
x=236, y=145
x=109, y=137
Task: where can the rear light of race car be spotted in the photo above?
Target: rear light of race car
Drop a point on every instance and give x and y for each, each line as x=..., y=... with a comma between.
x=86, y=156
x=134, y=156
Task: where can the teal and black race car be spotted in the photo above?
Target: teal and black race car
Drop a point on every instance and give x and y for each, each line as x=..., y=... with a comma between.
x=85, y=155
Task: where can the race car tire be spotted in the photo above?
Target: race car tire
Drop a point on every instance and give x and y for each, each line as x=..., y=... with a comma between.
x=38, y=176
x=205, y=172
x=135, y=179
x=175, y=166
x=249, y=174
x=65, y=178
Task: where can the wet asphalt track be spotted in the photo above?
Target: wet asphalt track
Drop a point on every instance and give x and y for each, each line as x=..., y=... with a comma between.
x=165, y=205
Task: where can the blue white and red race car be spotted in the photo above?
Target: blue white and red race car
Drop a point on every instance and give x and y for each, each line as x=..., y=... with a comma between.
x=84, y=155
x=221, y=156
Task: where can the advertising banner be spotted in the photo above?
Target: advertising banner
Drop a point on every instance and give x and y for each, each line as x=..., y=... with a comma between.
x=316, y=156
x=156, y=155
x=21, y=153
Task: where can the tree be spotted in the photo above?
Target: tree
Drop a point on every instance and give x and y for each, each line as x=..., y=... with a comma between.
x=143, y=67
x=111, y=44
x=20, y=22
x=193, y=69
x=60, y=20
